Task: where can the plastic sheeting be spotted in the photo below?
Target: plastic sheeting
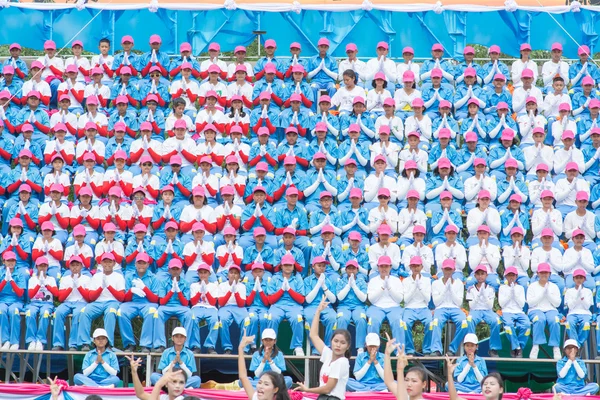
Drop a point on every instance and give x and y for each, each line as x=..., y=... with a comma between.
x=454, y=28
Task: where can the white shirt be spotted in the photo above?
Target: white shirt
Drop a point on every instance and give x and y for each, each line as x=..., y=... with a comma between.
x=490, y=258
x=78, y=86
x=402, y=67
x=43, y=293
x=511, y=298
x=225, y=287
x=552, y=101
x=422, y=251
x=579, y=301
x=375, y=100
x=342, y=99
x=55, y=61
x=84, y=251
x=520, y=96
x=53, y=244
x=407, y=221
x=518, y=257
x=489, y=217
x=387, y=66
x=423, y=126
x=99, y=60
x=211, y=287
x=100, y=119
x=550, y=69
x=404, y=100
x=573, y=259
x=339, y=369
x=114, y=280
x=42, y=86
x=565, y=194
x=536, y=188
x=178, y=145
x=552, y=257
x=473, y=186
x=65, y=118
x=481, y=298
x=456, y=252
x=222, y=65
x=97, y=147
x=104, y=247
x=541, y=298
x=191, y=85
x=517, y=68
x=585, y=222
x=171, y=119
x=383, y=297
x=138, y=144
x=357, y=66
x=417, y=294
x=447, y=295
x=535, y=155
x=392, y=250
x=558, y=127
x=92, y=90
x=527, y=123
x=371, y=187
x=562, y=157
x=79, y=62
x=67, y=282
x=395, y=123
x=191, y=248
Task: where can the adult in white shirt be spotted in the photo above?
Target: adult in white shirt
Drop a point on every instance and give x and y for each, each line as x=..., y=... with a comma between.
x=385, y=293
x=384, y=248
x=417, y=295
x=570, y=189
x=352, y=62
x=523, y=63
x=483, y=214
x=543, y=298
x=511, y=298
x=579, y=300
x=555, y=67
x=448, y=294
x=335, y=368
x=486, y=254
x=106, y=292
x=408, y=54
x=381, y=64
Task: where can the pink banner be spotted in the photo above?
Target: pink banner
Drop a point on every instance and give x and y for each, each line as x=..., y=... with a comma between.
x=32, y=392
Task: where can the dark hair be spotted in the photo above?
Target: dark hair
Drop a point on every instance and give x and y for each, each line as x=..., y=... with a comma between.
x=241, y=111
x=419, y=371
x=558, y=79
x=351, y=74
x=104, y=40
x=417, y=173
x=191, y=398
x=178, y=102
x=384, y=83
x=176, y=369
x=498, y=378
x=275, y=350
x=346, y=334
x=436, y=171
x=93, y=397
x=279, y=383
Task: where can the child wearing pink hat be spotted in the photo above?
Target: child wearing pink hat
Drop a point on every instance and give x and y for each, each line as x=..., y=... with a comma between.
x=555, y=67
x=524, y=62
x=437, y=62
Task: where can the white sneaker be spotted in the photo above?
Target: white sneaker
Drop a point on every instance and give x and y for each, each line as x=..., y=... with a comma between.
x=14, y=346
x=299, y=352
x=39, y=346
x=360, y=351
x=533, y=354
x=31, y=346
x=556, y=351
x=6, y=345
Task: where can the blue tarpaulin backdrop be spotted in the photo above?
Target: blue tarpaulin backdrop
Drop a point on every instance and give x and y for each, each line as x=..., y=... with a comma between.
x=454, y=29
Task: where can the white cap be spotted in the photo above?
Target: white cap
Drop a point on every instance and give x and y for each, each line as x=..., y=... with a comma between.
x=471, y=338
x=570, y=342
x=179, y=331
x=269, y=334
x=372, y=339
x=100, y=332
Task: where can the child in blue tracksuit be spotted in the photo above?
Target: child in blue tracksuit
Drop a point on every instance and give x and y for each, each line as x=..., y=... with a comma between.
x=178, y=356
x=368, y=368
x=351, y=292
x=470, y=368
x=257, y=300
x=268, y=358
x=41, y=293
x=571, y=371
x=12, y=291
x=100, y=365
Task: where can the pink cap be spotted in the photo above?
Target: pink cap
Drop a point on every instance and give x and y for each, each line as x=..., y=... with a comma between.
x=384, y=260
x=25, y=152
x=288, y=259
x=408, y=76
x=480, y=267
x=587, y=80
x=295, y=45
x=483, y=228
x=71, y=68
x=358, y=99
x=25, y=188
x=142, y=257
x=214, y=46
x=511, y=270
x=352, y=263
x=568, y=134
x=37, y=64
x=198, y=226
x=154, y=68
x=319, y=260
x=5, y=94
x=383, y=192
x=479, y=161
x=416, y=260
x=449, y=263
x=445, y=195
x=63, y=97
x=444, y=104
x=259, y=189
x=145, y=126
x=198, y=191
x=583, y=50
x=384, y=229
x=49, y=45
x=436, y=73
x=180, y=124
x=289, y=230
x=176, y=263
x=110, y=227
x=484, y=194
x=47, y=226
x=451, y=228
x=318, y=155
x=470, y=71
x=511, y=163
x=379, y=75
x=16, y=222
x=525, y=46
x=327, y=229
x=72, y=259
x=410, y=164
x=471, y=137
x=444, y=133
x=578, y=232
x=350, y=161
x=227, y=190
x=91, y=100
x=384, y=129
x=15, y=46
x=444, y=163
x=544, y=267
x=140, y=228
x=127, y=38
x=263, y=130
x=296, y=97
x=547, y=232
x=408, y=50
x=122, y=99
x=437, y=47
x=214, y=69
x=291, y=191
x=355, y=193
x=556, y=46
x=8, y=70
x=582, y=196
x=171, y=225
x=257, y=265
x=516, y=197
x=517, y=230
x=270, y=68
x=389, y=102
x=352, y=128
x=108, y=256
x=34, y=93
x=231, y=159
x=380, y=157
x=9, y=255
x=120, y=155
x=229, y=230
x=383, y=45
x=579, y=272
x=502, y=106
x=507, y=134
x=240, y=68
x=572, y=166
x=175, y=160
x=125, y=70
x=262, y=166
x=564, y=107
x=84, y=191
x=546, y=193
x=57, y=187
x=239, y=49
x=325, y=193
x=351, y=47
x=527, y=73
x=354, y=235
x=499, y=77
x=469, y=50
x=418, y=229
x=185, y=46
x=542, y=167
x=412, y=194
x=418, y=102
x=289, y=160
x=594, y=103
x=323, y=42
x=233, y=266
x=186, y=65
x=270, y=43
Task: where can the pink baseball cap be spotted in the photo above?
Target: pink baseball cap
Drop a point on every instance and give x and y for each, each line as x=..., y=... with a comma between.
x=239, y=49
x=15, y=46
x=484, y=194
x=17, y=222
x=57, y=187
x=511, y=163
x=587, y=80
x=288, y=259
x=295, y=45
x=437, y=47
x=483, y=228
x=444, y=133
x=436, y=73
x=578, y=232
x=171, y=225
x=351, y=47
x=564, y=107
x=49, y=45
x=546, y=193
x=270, y=43
x=384, y=229
x=257, y=265
x=451, y=228
x=525, y=46
x=356, y=193
x=471, y=137
x=327, y=229
x=108, y=256
x=72, y=259
x=418, y=102
x=418, y=229
x=380, y=157
x=582, y=196
x=198, y=191
x=408, y=76
x=214, y=69
x=185, y=46
x=571, y=166
x=470, y=71
x=473, y=101
x=145, y=126
x=383, y=192
x=444, y=163
x=352, y=263
x=259, y=189
x=544, y=267
x=323, y=42
x=594, y=103
x=547, y=232
x=289, y=160
x=142, y=257
x=8, y=70
x=516, y=197
x=449, y=263
x=25, y=152
x=502, y=106
x=289, y=230
x=384, y=260
x=444, y=104
x=325, y=193
x=140, y=228
x=176, y=263
x=383, y=45
x=262, y=166
x=479, y=161
x=180, y=124
x=579, y=272
x=527, y=73
x=556, y=46
x=511, y=270
x=480, y=267
x=499, y=77
x=37, y=64
x=229, y=230
x=214, y=46
x=413, y=194
x=354, y=235
x=568, y=134
x=415, y=260
x=91, y=100
x=494, y=49
x=291, y=191
x=126, y=38
x=175, y=160
x=358, y=99
x=583, y=50
x=263, y=130
x=469, y=50
x=410, y=164
x=445, y=195
x=227, y=190
x=389, y=102
x=507, y=134
x=408, y=50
